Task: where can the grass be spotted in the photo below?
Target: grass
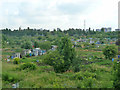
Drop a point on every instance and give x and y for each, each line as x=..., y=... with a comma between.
x=42, y=77
x=95, y=75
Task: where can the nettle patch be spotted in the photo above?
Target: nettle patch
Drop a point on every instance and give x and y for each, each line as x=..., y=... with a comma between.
x=29, y=65
x=10, y=77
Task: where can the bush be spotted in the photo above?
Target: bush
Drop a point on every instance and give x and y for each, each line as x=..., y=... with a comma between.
x=116, y=82
x=28, y=55
x=87, y=79
x=16, y=60
x=76, y=68
x=36, y=44
x=13, y=47
x=78, y=76
x=54, y=59
x=80, y=85
x=45, y=45
x=27, y=45
x=10, y=77
x=30, y=66
x=24, y=58
x=89, y=82
x=81, y=76
x=78, y=46
x=110, y=52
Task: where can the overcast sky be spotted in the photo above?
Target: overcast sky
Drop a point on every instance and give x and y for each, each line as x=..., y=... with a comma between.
x=64, y=14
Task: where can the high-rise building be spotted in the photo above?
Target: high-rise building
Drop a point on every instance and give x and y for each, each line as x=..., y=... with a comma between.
x=119, y=15
x=19, y=28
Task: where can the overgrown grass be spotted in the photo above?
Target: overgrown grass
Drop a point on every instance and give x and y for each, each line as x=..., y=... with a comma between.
x=95, y=76
x=91, y=75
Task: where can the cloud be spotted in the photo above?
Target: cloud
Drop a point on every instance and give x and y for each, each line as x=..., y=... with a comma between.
x=74, y=8
x=64, y=14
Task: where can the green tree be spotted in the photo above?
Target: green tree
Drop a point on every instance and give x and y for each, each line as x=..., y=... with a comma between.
x=110, y=52
x=56, y=60
x=45, y=45
x=76, y=64
x=65, y=49
x=27, y=45
x=36, y=44
x=102, y=29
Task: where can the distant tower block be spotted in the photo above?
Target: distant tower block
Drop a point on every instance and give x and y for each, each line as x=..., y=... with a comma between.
x=119, y=15
x=19, y=28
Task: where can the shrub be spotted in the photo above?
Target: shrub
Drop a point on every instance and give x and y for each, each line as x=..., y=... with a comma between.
x=116, y=82
x=87, y=79
x=110, y=52
x=80, y=85
x=78, y=46
x=36, y=44
x=45, y=45
x=29, y=65
x=89, y=82
x=13, y=47
x=81, y=76
x=28, y=55
x=27, y=45
x=16, y=60
x=24, y=58
x=54, y=59
x=77, y=68
x=10, y=77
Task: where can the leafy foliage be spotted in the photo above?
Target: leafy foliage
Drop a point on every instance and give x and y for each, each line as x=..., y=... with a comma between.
x=29, y=65
x=36, y=44
x=10, y=77
x=87, y=77
x=75, y=66
x=62, y=60
x=45, y=45
x=116, y=83
x=110, y=52
x=27, y=45
x=16, y=60
x=54, y=59
x=65, y=49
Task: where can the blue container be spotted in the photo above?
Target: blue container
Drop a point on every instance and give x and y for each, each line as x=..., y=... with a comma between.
x=12, y=57
x=43, y=51
x=112, y=59
x=118, y=56
x=30, y=54
x=37, y=60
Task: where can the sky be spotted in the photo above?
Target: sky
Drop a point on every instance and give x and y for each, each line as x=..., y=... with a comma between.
x=64, y=14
